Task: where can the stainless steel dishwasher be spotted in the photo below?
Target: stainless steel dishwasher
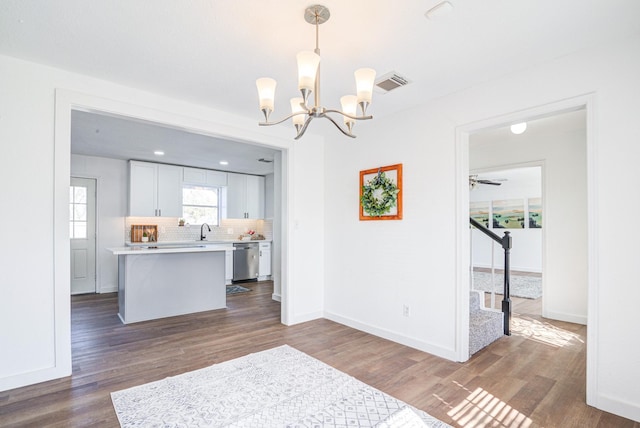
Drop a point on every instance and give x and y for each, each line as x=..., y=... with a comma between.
x=245, y=261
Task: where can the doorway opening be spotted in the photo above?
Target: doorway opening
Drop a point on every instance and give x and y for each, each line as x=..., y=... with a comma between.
x=507, y=199
x=564, y=150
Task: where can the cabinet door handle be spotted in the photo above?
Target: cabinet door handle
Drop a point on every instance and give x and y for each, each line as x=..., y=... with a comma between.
x=159, y=212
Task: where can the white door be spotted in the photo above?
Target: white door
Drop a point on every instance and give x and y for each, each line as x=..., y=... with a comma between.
x=82, y=231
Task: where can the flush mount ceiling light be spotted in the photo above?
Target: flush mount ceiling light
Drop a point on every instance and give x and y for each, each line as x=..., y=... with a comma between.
x=158, y=153
x=309, y=81
x=519, y=128
x=223, y=162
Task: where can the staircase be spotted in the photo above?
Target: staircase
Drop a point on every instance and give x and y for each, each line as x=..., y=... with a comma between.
x=486, y=325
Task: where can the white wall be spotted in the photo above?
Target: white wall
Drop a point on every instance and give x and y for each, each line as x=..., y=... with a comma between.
x=373, y=267
x=564, y=214
x=34, y=132
x=112, y=180
x=376, y=267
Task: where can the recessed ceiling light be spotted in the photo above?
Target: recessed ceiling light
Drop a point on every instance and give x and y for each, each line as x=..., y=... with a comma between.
x=224, y=163
x=439, y=10
x=519, y=128
x=158, y=153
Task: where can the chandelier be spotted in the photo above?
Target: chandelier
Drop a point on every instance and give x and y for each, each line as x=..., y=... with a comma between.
x=309, y=82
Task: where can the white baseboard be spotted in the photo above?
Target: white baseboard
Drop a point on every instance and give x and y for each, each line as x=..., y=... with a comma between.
x=299, y=319
x=109, y=289
x=561, y=316
x=37, y=376
x=618, y=407
x=276, y=297
x=430, y=348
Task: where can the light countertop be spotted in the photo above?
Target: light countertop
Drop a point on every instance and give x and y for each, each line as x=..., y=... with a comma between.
x=194, y=242
x=164, y=249
x=178, y=246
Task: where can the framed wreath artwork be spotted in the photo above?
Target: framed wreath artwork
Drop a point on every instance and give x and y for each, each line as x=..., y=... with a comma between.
x=381, y=193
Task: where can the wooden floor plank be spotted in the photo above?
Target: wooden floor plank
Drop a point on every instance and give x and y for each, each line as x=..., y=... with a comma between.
x=536, y=377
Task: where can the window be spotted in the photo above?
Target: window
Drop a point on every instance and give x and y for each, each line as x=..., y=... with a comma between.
x=77, y=212
x=200, y=204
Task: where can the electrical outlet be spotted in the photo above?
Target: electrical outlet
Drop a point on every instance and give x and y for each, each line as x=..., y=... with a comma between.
x=405, y=310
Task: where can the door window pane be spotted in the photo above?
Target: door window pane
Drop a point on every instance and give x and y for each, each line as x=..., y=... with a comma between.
x=78, y=212
x=80, y=195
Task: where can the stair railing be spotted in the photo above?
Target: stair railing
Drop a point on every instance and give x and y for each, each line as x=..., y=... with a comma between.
x=505, y=242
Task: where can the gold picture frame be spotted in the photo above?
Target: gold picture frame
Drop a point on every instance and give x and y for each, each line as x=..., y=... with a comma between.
x=381, y=193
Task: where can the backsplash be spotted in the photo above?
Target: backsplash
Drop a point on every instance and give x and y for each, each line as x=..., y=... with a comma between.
x=229, y=229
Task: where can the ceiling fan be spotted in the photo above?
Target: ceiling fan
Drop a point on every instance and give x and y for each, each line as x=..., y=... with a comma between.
x=474, y=181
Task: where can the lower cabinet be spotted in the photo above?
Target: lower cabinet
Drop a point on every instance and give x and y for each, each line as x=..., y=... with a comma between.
x=228, y=266
x=264, y=260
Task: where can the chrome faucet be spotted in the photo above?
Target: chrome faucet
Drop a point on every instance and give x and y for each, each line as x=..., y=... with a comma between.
x=202, y=237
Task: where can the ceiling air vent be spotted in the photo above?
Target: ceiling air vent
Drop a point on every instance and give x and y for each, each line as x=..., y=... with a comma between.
x=390, y=81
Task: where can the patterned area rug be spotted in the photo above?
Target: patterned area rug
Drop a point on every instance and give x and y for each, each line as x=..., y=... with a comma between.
x=274, y=388
x=236, y=289
x=529, y=287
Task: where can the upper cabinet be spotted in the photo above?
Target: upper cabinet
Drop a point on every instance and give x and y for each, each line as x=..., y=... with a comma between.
x=245, y=196
x=155, y=190
x=204, y=177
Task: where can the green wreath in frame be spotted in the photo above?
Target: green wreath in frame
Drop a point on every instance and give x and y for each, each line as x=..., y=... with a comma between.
x=379, y=195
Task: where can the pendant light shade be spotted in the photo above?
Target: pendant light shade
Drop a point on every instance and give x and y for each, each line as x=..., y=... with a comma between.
x=349, y=105
x=266, y=93
x=297, y=111
x=364, y=83
x=307, y=69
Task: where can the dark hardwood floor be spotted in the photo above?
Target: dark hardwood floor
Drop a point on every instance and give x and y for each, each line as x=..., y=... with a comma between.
x=534, y=378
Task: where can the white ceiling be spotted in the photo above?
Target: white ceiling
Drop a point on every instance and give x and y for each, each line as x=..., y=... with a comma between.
x=210, y=52
x=558, y=124
x=124, y=138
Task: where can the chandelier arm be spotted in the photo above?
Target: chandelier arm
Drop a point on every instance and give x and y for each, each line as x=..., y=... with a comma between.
x=348, y=134
x=349, y=116
x=304, y=127
x=280, y=121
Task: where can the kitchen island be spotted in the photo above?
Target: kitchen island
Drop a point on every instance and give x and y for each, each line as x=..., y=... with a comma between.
x=170, y=280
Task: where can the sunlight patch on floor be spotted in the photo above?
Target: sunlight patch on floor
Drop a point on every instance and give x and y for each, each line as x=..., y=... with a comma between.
x=542, y=332
x=481, y=408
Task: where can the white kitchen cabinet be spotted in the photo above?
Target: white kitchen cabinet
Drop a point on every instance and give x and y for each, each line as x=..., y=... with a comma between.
x=228, y=266
x=264, y=260
x=245, y=196
x=155, y=190
x=204, y=177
